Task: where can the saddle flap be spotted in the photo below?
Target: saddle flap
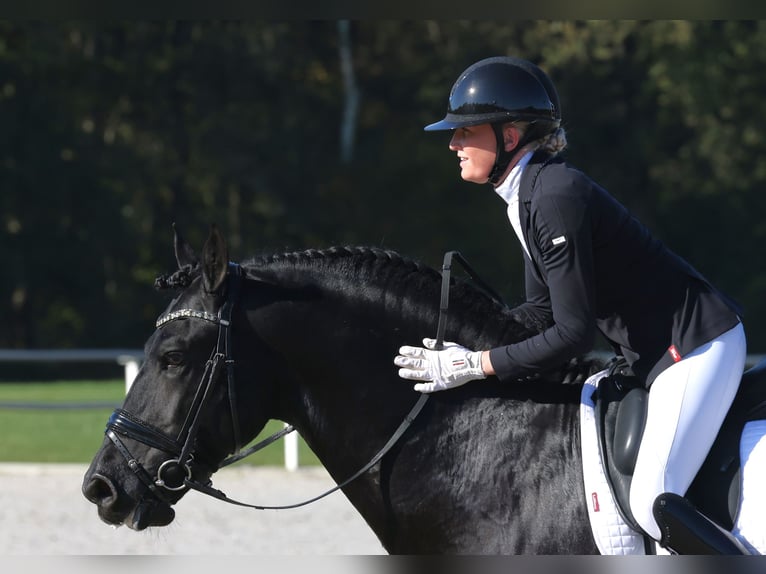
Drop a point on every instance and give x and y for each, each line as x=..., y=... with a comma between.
x=620, y=412
x=629, y=428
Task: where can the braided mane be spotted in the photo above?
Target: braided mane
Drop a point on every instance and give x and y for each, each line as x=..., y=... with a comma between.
x=369, y=276
x=347, y=257
x=359, y=270
x=373, y=273
x=373, y=276
x=358, y=263
x=357, y=253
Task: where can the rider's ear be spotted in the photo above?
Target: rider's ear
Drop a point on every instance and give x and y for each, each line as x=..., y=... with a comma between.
x=215, y=260
x=184, y=253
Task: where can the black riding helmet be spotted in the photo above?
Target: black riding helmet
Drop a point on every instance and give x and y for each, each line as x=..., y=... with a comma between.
x=500, y=90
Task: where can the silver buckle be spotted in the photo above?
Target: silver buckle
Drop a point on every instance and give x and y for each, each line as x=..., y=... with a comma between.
x=160, y=482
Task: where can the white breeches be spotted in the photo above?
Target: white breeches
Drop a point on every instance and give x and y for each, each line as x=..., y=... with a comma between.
x=687, y=404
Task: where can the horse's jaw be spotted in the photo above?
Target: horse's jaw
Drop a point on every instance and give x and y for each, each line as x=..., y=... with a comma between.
x=144, y=515
x=150, y=513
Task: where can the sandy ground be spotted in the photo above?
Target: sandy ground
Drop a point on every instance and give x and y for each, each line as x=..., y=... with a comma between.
x=42, y=512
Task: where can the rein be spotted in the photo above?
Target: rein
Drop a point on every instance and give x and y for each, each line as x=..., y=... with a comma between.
x=175, y=474
x=444, y=301
x=210, y=491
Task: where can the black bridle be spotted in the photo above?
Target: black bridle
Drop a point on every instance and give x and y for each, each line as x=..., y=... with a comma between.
x=175, y=473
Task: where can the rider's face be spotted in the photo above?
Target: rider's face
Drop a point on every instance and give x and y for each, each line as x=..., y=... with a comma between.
x=476, y=148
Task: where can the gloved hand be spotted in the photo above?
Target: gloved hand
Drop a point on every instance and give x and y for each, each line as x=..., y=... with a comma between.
x=439, y=370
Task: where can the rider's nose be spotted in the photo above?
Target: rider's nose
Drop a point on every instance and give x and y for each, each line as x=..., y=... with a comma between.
x=455, y=142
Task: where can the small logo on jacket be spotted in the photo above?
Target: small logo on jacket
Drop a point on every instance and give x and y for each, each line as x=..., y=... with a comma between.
x=674, y=353
x=559, y=240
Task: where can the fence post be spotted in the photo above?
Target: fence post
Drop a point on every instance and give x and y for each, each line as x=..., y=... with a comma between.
x=291, y=451
x=131, y=365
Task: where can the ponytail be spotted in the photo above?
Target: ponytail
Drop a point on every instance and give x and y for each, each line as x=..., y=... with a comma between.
x=554, y=142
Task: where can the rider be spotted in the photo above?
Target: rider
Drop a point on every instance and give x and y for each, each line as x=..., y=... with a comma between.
x=589, y=265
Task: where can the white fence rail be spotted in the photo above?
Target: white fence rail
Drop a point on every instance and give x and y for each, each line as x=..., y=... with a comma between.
x=131, y=359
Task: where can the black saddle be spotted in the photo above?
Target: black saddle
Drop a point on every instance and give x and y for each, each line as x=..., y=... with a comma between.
x=621, y=404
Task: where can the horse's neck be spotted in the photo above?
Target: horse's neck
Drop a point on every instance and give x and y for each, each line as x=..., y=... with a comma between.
x=347, y=399
x=338, y=366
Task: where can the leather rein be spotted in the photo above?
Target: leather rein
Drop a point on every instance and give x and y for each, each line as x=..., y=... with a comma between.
x=175, y=474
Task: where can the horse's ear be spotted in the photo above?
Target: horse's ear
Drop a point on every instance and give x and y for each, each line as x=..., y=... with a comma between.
x=184, y=253
x=215, y=260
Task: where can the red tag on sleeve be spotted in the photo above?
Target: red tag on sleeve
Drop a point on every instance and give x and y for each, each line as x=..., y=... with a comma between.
x=674, y=353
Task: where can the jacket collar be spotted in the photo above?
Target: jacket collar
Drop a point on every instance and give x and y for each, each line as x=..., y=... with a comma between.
x=528, y=177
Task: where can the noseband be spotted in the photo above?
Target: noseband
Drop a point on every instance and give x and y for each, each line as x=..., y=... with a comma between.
x=175, y=473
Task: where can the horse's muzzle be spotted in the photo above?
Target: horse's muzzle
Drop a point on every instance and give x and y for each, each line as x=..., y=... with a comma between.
x=115, y=510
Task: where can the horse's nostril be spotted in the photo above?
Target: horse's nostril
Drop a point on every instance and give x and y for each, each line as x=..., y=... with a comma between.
x=100, y=491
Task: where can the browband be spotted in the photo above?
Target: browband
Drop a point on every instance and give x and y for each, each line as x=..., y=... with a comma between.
x=182, y=313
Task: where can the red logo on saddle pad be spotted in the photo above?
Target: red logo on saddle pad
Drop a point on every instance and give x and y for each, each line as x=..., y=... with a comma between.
x=674, y=353
x=594, y=499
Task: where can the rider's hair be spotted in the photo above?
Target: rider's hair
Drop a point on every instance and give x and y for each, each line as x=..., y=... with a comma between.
x=555, y=142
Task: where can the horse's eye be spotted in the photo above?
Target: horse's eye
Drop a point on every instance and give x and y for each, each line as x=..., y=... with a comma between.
x=174, y=358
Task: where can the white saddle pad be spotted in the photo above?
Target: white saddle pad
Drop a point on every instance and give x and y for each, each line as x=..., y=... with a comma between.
x=611, y=533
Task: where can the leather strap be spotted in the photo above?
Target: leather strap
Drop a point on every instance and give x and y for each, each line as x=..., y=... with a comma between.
x=215, y=493
x=445, y=291
x=258, y=446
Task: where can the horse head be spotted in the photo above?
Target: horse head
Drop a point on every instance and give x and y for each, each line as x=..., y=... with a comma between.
x=181, y=417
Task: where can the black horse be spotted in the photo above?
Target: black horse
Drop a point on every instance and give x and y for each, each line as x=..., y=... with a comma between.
x=308, y=338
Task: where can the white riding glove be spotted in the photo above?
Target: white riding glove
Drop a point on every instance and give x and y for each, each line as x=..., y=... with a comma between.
x=440, y=370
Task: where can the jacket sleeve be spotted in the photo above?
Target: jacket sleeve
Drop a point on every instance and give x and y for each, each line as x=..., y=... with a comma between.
x=561, y=232
x=536, y=309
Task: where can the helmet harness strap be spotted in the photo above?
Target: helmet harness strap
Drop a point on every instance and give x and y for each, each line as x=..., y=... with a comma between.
x=503, y=158
x=535, y=130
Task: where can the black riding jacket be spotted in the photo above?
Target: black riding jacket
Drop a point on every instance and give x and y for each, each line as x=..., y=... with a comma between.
x=592, y=265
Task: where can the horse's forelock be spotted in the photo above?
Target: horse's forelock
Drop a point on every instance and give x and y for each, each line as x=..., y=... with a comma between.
x=179, y=279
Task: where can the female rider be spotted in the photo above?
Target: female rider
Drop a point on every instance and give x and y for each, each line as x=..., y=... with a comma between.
x=590, y=265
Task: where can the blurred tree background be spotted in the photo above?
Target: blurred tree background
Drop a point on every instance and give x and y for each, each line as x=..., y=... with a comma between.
x=302, y=134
